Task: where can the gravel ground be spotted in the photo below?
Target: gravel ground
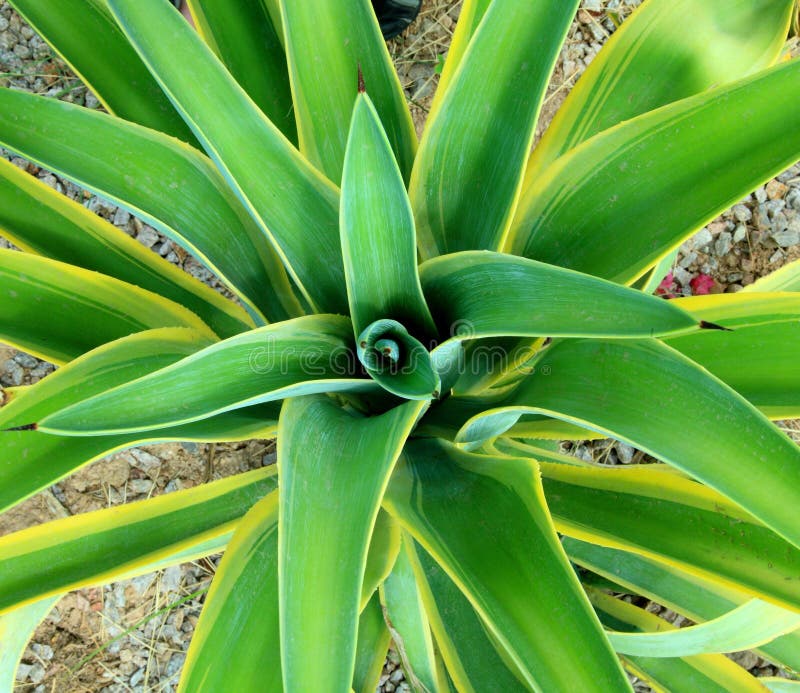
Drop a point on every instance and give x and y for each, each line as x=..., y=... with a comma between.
x=132, y=635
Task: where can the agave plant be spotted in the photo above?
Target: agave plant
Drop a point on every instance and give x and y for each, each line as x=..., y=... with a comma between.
x=419, y=324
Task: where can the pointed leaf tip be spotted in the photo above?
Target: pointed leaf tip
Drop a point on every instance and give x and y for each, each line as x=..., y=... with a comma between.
x=26, y=427
x=362, y=88
x=704, y=325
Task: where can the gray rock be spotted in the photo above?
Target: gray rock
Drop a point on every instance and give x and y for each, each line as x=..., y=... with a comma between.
x=688, y=260
x=36, y=674
x=779, y=222
x=143, y=460
x=761, y=194
x=43, y=651
x=793, y=199
x=138, y=487
x=682, y=276
x=742, y=213
x=740, y=233
x=26, y=360
x=137, y=677
x=7, y=41
x=624, y=452
x=23, y=671
x=175, y=663
x=12, y=374
x=786, y=238
x=702, y=238
x=148, y=236
x=121, y=217
x=3, y=23
x=776, y=256
x=761, y=219
x=723, y=244
x=91, y=101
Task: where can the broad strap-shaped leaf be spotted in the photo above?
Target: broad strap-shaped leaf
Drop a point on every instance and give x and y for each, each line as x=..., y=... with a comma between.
x=592, y=209
x=468, y=172
x=16, y=629
x=676, y=521
x=39, y=220
x=460, y=632
x=407, y=619
x=484, y=294
x=697, y=598
x=470, y=16
x=95, y=547
x=240, y=615
x=107, y=64
x=83, y=309
x=750, y=625
x=377, y=229
x=780, y=685
x=293, y=204
x=643, y=392
x=653, y=60
x=373, y=644
x=765, y=338
x=324, y=72
x=384, y=545
x=162, y=181
x=484, y=520
x=300, y=356
x=31, y=461
x=787, y=278
x=244, y=37
x=707, y=673
x=332, y=464
x=101, y=369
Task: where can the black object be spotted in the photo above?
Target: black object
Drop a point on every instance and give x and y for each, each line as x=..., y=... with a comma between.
x=395, y=15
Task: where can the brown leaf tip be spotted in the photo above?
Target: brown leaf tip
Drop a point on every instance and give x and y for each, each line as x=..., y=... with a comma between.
x=713, y=326
x=26, y=427
x=362, y=88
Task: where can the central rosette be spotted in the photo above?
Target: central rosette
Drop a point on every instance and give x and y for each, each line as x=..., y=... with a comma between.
x=396, y=360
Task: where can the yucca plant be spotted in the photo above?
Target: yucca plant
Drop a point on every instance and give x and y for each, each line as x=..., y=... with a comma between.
x=419, y=325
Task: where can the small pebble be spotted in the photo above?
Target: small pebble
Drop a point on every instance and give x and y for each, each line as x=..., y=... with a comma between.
x=12, y=374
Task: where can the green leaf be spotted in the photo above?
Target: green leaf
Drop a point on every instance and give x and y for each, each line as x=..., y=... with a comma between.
x=327, y=42
x=460, y=633
x=243, y=36
x=697, y=598
x=39, y=220
x=780, y=685
x=240, y=615
x=107, y=63
x=31, y=461
x=750, y=625
x=16, y=630
x=642, y=393
x=592, y=210
x=373, y=644
x=469, y=18
x=384, y=544
x=84, y=309
x=484, y=520
x=674, y=521
x=331, y=464
x=707, y=673
x=408, y=623
x=300, y=356
x=101, y=369
x=397, y=361
x=468, y=172
x=377, y=230
x=96, y=547
x=483, y=294
x=771, y=377
x=293, y=204
x=787, y=278
x=653, y=60
x=162, y=181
